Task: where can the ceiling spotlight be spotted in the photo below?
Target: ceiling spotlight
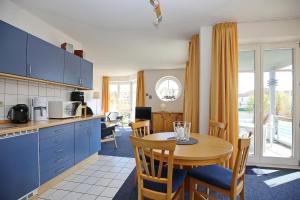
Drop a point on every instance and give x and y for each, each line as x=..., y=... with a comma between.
x=157, y=11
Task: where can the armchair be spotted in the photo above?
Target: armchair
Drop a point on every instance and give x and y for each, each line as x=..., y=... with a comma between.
x=108, y=134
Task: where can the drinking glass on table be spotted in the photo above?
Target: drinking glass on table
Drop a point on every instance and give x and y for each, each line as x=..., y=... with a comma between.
x=182, y=130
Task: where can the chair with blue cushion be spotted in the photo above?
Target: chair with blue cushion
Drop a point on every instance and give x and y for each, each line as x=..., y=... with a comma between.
x=159, y=182
x=219, y=179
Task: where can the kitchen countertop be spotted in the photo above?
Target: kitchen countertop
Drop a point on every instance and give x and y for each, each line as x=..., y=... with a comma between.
x=43, y=124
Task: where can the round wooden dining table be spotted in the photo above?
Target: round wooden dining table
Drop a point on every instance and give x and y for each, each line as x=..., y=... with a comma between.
x=209, y=149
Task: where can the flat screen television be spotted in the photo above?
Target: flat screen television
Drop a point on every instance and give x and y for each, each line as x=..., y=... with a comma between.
x=143, y=113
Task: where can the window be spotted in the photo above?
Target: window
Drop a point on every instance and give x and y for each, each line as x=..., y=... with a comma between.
x=168, y=88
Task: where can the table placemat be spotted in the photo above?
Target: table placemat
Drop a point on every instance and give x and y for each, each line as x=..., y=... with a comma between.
x=181, y=142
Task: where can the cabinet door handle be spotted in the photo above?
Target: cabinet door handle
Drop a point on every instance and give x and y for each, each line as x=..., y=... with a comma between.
x=56, y=141
x=59, y=151
x=29, y=69
x=59, y=130
x=59, y=160
x=59, y=170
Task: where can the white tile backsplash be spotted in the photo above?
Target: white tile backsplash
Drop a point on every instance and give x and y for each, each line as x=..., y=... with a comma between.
x=2, y=117
x=57, y=92
x=50, y=91
x=33, y=89
x=23, y=99
x=14, y=92
x=42, y=91
x=2, y=86
x=11, y=99
x=23, y=90
x=6, y=109
x=11, y=86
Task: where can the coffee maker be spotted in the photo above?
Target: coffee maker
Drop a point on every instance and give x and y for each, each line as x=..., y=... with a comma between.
x=39, y=109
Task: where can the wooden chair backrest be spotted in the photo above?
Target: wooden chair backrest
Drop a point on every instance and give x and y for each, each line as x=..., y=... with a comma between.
x=240, y=162
x=146, y=171
x=140, y=128
x=247, y=135
x=217, y=129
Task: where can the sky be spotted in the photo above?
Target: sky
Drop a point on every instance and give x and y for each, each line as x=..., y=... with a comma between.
x=246, y=81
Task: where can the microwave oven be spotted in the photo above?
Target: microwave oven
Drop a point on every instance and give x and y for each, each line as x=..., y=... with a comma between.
x=64, y=109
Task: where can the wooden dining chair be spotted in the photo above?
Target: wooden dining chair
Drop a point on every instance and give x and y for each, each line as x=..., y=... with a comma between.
x=220, y=179
x=141, y=128
x=158, y=182
x=247, y=135
x=217, y=129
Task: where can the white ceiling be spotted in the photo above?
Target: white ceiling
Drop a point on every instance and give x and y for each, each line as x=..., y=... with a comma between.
x=119, y=37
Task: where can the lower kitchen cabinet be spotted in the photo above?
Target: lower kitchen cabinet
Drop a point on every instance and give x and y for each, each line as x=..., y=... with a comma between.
x=87, y=139
x=30, y=159
x=19, y=165
x=56, y=150
x=82, y=140
x=95, y=138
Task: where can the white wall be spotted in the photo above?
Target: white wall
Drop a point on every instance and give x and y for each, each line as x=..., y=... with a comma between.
x=270, y=31
x=205, y=66
x=16, y=16
x=151, y=77
x=95, y=104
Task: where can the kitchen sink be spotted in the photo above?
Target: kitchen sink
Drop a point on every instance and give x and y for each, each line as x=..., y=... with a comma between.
x=6, y=126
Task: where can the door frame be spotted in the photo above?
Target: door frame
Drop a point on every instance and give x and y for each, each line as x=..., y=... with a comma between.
x=258, y=158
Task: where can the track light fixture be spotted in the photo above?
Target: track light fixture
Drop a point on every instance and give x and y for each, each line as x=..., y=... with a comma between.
x=157, y=11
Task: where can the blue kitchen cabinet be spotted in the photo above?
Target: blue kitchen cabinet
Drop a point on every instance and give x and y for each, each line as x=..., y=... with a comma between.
x=13, y=44
x=56, y=150
x=82, y=140
x=19, y=165
x=86, y=74
x=72, y=71
x=95, y=137
x=44, y=60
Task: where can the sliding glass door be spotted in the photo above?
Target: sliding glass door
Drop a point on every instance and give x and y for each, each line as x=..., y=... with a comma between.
x=122, y=99
x=246, y=94
x=268, y=102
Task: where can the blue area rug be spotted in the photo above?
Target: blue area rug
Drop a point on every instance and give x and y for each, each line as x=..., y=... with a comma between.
x=260, y=183
x=124, y=146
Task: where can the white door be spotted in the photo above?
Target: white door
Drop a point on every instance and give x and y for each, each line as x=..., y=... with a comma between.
x=268, y=102
x=122, y=99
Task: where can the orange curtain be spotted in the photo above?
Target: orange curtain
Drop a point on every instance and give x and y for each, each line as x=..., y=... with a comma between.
x=105, y=94
x=140, y=89
x=191, y=85
x=224, y=81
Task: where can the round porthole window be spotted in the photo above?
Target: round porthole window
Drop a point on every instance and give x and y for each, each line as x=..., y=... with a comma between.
x=168, y=88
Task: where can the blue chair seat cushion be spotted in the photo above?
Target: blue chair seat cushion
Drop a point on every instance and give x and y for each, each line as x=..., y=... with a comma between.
x=177, y=180
x=213, y=175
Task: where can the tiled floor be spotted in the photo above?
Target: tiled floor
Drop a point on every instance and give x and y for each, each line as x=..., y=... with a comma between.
x=100, y=180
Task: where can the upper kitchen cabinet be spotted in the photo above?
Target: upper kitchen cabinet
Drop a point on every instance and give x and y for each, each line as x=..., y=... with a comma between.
x=72, y=72
x=86, y=74
x=12, y=50
x=44, y=60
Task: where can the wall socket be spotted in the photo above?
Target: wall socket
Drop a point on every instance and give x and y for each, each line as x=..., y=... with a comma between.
x=1, y=104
